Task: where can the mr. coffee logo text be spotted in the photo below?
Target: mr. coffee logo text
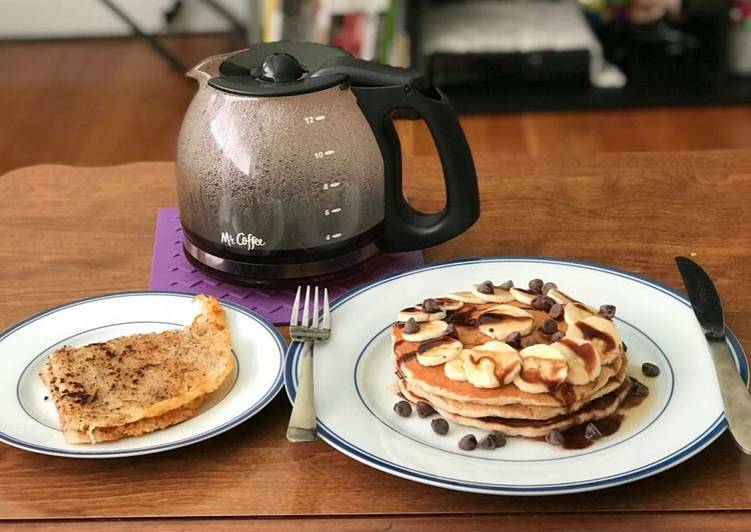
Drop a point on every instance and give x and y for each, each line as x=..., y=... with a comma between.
x=243, y=240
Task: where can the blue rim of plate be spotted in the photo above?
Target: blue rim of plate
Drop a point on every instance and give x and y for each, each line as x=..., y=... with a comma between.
x=240, y=418
x=698, y=444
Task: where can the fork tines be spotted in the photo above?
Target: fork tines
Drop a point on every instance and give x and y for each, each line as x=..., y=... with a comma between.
x=310, y=314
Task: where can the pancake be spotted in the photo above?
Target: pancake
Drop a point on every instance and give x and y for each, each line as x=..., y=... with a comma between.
x=515, y=410
x=136, y=428
x=512, y=360
x=599, y=408
x=135, y=384
x=433, y=380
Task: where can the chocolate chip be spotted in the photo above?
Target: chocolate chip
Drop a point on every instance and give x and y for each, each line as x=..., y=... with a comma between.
x=403, y=408
x=547, y=287
x=591, y=432
x=411, y=327
x=536, y=285
x=424, y=409
x=550, y=326
x=430, y=305
x=531, y=341
x=650, y=370
x=46, y=397
x=485, y=287
x=637, y=388
x=488, y=442
x=556, y=336
x=507, y=285
x=499, y=438
x=468, y=443
x=624, y=347
x=607, y=311
x=440, y=426
x=555, y=437
x=542, y=303
x=556, y=311
x=514, y=339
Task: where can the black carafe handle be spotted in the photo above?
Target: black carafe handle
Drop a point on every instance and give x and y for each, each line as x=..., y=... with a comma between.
x=404, y=227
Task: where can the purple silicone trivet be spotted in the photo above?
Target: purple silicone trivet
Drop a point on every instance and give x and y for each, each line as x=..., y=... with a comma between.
x=171, y=271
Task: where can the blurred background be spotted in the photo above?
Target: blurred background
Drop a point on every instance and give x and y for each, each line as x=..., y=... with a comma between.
x=101, y=82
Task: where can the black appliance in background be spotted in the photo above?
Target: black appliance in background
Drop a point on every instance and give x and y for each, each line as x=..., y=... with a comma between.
x=668, y=62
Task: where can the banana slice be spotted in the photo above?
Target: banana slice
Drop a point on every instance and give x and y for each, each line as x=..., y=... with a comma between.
x=499, y=295
x=544, y=369
x=465, y=297
x=491, y=365
x=438, y=351
x=522, y=295
x=576, y=311
x=428, y=331
x=583, y=360
x=501, y=320
x=419, y=314
x=560, y=296
x=448, y=303
x=601, y=332
x=454, y=368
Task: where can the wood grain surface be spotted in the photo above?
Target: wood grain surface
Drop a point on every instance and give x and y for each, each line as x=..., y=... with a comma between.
x=613, y=522
x=67, y=233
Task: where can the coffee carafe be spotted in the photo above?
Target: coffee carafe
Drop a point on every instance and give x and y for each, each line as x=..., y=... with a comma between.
x=289, y=166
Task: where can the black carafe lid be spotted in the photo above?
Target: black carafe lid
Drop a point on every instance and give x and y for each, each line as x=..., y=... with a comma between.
x=286, y=68
x=277, y=69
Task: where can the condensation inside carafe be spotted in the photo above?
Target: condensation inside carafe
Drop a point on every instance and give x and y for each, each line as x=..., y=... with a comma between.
x=260, y=175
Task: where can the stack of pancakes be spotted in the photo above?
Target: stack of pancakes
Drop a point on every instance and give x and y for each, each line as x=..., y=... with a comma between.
x=518, y=361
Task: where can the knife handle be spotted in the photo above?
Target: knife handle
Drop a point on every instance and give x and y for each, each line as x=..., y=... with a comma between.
x=735, y=396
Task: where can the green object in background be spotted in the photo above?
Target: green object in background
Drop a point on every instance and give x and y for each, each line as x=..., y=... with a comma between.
x=387, y=37
x=604, y=11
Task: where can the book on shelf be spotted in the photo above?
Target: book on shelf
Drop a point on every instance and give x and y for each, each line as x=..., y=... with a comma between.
x=368, y=29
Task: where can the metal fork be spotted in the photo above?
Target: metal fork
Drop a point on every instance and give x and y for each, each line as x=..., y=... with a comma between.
x=302, y=422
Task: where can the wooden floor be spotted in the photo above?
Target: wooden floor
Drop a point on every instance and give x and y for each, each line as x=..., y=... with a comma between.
x=103, y=102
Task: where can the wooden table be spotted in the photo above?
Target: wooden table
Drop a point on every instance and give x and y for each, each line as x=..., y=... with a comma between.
x=67, y=233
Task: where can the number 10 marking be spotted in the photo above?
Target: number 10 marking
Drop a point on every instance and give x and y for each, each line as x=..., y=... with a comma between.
x=322, y=154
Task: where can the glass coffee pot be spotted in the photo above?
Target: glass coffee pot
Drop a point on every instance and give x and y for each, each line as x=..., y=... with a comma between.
x=289, y=166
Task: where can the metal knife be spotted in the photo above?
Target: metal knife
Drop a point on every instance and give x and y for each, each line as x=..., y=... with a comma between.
x=706, y=305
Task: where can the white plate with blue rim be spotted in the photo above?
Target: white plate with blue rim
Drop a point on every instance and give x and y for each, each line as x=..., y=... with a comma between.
x=355, y=391
x=29, y=419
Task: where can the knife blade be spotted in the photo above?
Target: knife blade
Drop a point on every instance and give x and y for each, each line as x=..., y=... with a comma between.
x=706, y=305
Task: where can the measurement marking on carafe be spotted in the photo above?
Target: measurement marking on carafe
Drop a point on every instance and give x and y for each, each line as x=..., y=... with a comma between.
x=322, y=154
x=312, y=119
x=329, y=212
x=333, y=184
x=334, y=236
